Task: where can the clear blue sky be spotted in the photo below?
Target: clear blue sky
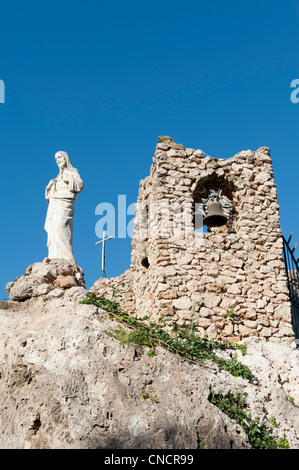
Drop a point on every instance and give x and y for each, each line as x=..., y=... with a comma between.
x=101, y=80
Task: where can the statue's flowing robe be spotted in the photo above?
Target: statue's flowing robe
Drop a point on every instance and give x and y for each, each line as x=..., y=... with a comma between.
x=61, y=196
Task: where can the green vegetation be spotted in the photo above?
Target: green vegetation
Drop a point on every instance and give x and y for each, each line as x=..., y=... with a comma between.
x=145, y=395
x=292, y=401
x=273, y=422
x=182, y=340
x=230, y=313
x=234, y=407
x=283, y=443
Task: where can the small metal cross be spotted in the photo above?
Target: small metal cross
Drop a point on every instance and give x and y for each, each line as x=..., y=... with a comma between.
x=103, y=251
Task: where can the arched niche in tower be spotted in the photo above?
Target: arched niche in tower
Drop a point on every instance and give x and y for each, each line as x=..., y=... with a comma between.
x=206, y=186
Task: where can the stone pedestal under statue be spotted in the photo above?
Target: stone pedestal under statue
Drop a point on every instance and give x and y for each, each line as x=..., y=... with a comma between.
x=49, y=279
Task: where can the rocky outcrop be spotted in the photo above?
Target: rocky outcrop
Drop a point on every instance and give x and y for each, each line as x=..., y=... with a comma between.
x=64, y=383
x=49, y=278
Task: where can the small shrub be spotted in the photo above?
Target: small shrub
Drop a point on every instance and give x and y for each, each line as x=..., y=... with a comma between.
x=229, y=313
x=283, y=443
x=291, y=400
x=273, y=422
x=234, y=407
x=145, y=395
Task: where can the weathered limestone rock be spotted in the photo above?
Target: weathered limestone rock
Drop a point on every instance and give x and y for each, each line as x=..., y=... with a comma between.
x=44, y=279
x=21, y=289
x=65, y=281
x=66, y=384
x=44, y=289
x=55, y=293
x=46, y=271
x=183, y=303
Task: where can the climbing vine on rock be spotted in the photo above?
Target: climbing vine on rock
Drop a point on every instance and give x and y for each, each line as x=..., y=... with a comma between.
x=182, y=340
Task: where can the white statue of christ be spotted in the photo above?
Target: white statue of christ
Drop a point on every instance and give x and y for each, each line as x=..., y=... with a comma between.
x=61, y=194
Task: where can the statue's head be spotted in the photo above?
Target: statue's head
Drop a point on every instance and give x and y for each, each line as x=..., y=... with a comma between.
x=63, y=160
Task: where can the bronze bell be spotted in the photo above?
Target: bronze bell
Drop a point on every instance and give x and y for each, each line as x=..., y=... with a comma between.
x=215, y=216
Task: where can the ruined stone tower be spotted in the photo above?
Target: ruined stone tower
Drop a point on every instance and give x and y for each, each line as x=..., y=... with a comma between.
x=231, y=280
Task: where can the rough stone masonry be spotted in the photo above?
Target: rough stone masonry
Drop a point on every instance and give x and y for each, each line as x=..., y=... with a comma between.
x=231, y=280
